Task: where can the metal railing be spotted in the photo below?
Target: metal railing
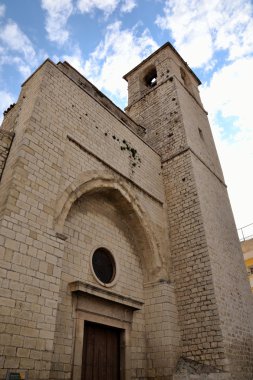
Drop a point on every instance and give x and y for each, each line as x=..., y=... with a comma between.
x=246, y=232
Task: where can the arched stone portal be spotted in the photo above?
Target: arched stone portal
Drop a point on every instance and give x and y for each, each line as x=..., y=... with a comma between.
x=99, y=211
x=120, y=194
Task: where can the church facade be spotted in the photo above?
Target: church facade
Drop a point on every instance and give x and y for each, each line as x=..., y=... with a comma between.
x=119, y=253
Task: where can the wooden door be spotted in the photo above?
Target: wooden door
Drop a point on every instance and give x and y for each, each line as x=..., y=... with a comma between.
x=101, y=352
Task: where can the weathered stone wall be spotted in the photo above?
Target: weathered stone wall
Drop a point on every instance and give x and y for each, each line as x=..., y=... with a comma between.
x=198, y=314
x=100, y=97
x=232, y=291
x=67, y=145
x=5, y=144
x=203, y=240
x=30, y=252
x=162, y=330
x=8, y=122
x=160, y=112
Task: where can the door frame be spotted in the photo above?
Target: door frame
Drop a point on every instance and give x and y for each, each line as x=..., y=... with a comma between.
x=121, y=346
x=93, y=304
x=124, y=326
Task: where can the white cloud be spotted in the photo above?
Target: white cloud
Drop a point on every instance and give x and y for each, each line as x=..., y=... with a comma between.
x=120, y=51
x=15, y=40
x=58, y=13
x=229, y=94
x=2, y=10
x=17, y=49
x=200, y=28
x=128, y=6
x=6, y=100
x=107, y=6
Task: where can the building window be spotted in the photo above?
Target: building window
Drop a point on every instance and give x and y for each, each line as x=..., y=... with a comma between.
x=250, y=270
x=103, y=265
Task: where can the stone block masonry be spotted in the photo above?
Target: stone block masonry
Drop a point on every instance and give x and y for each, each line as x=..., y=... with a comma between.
x=5, y=144
x=204, y=245
x=69, y=150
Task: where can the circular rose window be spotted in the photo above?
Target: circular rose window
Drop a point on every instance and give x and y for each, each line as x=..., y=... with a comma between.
x=103, y=265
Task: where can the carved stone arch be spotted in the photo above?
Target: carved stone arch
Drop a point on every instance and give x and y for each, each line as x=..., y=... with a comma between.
x=94, y=182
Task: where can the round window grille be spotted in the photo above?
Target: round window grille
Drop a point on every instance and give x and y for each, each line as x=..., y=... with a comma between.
x=104, y=265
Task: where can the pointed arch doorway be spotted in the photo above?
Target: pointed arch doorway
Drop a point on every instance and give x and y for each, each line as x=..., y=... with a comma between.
x=86, y=208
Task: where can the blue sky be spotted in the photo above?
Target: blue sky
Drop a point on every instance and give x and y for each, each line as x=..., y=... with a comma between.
x=104, y=39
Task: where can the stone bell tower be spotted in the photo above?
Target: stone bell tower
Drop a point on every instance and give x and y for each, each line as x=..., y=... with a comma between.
x=213, y=296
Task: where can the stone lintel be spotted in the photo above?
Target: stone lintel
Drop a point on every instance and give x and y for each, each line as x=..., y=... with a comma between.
x=82, y=287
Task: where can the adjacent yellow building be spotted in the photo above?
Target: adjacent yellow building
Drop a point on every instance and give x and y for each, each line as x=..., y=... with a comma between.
x=247, y=249
x=246, y=237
